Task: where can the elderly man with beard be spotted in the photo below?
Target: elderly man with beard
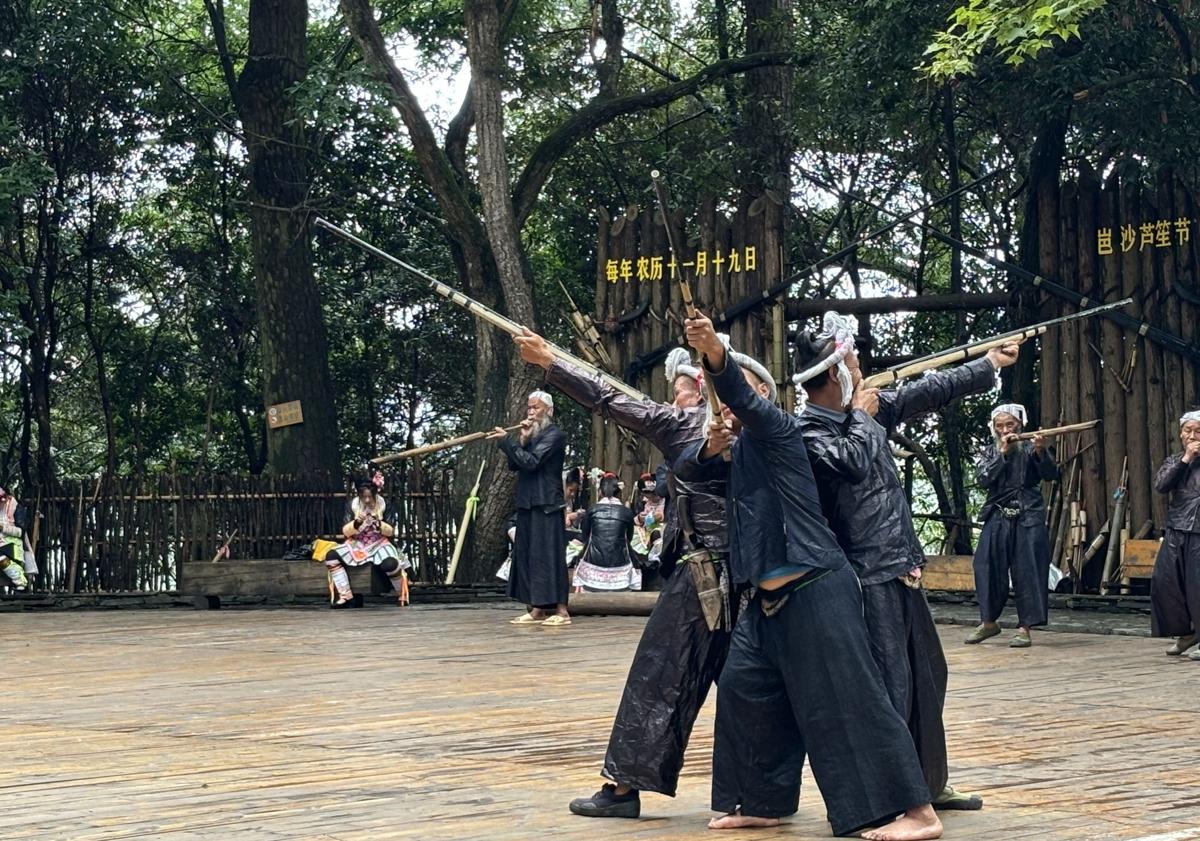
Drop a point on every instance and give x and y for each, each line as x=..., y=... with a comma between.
x=538, y=575
x=1175, y=585
x=1014, y=543
x=683, y=645
x=800, y=679
x=846, y=429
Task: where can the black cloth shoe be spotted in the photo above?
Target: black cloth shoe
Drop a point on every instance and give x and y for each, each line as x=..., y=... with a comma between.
x=606, y=803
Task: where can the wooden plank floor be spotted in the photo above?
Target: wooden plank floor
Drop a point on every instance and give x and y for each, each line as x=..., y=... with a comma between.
x=432, y=723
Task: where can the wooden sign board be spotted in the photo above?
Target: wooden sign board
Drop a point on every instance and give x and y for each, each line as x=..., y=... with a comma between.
x=284, y=414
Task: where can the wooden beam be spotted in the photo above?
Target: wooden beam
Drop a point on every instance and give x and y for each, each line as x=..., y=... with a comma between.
x=869, y=306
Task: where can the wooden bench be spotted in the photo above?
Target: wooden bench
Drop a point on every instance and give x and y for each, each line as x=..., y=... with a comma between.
x=949, y=572
x=271, y=578
x=1137, y=559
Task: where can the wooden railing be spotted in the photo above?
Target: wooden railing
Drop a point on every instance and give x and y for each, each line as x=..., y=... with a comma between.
x=131, y=533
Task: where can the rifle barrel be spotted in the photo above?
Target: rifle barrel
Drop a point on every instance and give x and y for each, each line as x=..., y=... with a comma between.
x=479, y=310
x=1058, y=430
x=425, y=449
x=972, y=349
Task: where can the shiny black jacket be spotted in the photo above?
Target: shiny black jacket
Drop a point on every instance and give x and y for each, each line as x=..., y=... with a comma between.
x=775, y=517
x=607, y=529
x=540, y=465
x=670, y=430
x=1182, y=482
x=861, y=492
x=1014, y=481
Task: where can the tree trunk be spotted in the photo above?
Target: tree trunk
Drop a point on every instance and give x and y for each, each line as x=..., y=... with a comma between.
x=1045, y=162
x=292, y=336
x=483, y=50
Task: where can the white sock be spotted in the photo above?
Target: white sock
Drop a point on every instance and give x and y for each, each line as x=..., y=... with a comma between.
x=15, y=574
x=341, y=581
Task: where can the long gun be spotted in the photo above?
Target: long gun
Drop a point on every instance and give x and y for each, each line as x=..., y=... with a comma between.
x=970, y=350
x=426, y=449
x=479, y=310
x=685, y=293
x=1058, y=430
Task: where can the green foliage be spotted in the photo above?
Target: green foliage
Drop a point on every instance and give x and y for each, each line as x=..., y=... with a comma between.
x=1017, y=30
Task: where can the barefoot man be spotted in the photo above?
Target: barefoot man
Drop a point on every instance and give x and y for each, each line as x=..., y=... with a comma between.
x=846, y=429
x=799, y=679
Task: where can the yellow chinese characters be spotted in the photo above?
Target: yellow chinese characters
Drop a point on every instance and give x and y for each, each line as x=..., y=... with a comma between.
x=702, y=264
x=1156, y=234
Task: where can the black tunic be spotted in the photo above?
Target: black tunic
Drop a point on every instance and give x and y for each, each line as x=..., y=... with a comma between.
x=1175, y=584
x=864, y=500
x=1014, y=541
x=678, y=657
x=607, y=529
x=800, y=679
x=538, y=575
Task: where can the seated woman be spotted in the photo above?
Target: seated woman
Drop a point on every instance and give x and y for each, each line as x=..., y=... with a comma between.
x=607, y=526
x=368, y=530
x=647, y=533
x=15, y=559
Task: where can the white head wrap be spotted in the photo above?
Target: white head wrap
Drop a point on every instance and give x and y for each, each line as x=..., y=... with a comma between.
x=543, y=397
x=838, y=329
x=679, y=364
x=753, y=365
x=1014, y=409
x=1189, y=416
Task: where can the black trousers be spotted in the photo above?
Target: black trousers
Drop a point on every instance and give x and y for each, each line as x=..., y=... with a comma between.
x=803, y=682
x=538, y=574
x=908, y=652
x=1022, y=551
x=1175, y=585
x=676, y=663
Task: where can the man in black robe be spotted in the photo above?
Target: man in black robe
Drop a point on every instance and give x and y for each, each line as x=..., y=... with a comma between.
x=683, y=645
x=538, y=575
x=846, y=429
x=1014, y=543
x=800, y=679
x=1175, y=585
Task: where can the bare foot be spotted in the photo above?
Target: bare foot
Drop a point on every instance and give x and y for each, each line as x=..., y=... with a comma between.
x=918, y=824
x=736, y=821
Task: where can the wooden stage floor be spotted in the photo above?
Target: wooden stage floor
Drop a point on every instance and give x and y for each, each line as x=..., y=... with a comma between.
x=444, y=723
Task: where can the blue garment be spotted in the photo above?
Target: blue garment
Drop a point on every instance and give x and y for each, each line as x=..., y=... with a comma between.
x=775, y=518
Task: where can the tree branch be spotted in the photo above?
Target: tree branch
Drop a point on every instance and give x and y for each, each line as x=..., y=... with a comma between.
x=459, y=130
x=433, y=161
x=600, y=112
x=216, y=14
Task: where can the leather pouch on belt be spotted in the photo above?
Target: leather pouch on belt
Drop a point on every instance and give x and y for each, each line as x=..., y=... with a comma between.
x=707, y=579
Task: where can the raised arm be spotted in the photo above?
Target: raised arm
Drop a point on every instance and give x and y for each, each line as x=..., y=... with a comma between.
x=531, y=460
x=935, y=390
x=664, y=426
x=847, y=453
